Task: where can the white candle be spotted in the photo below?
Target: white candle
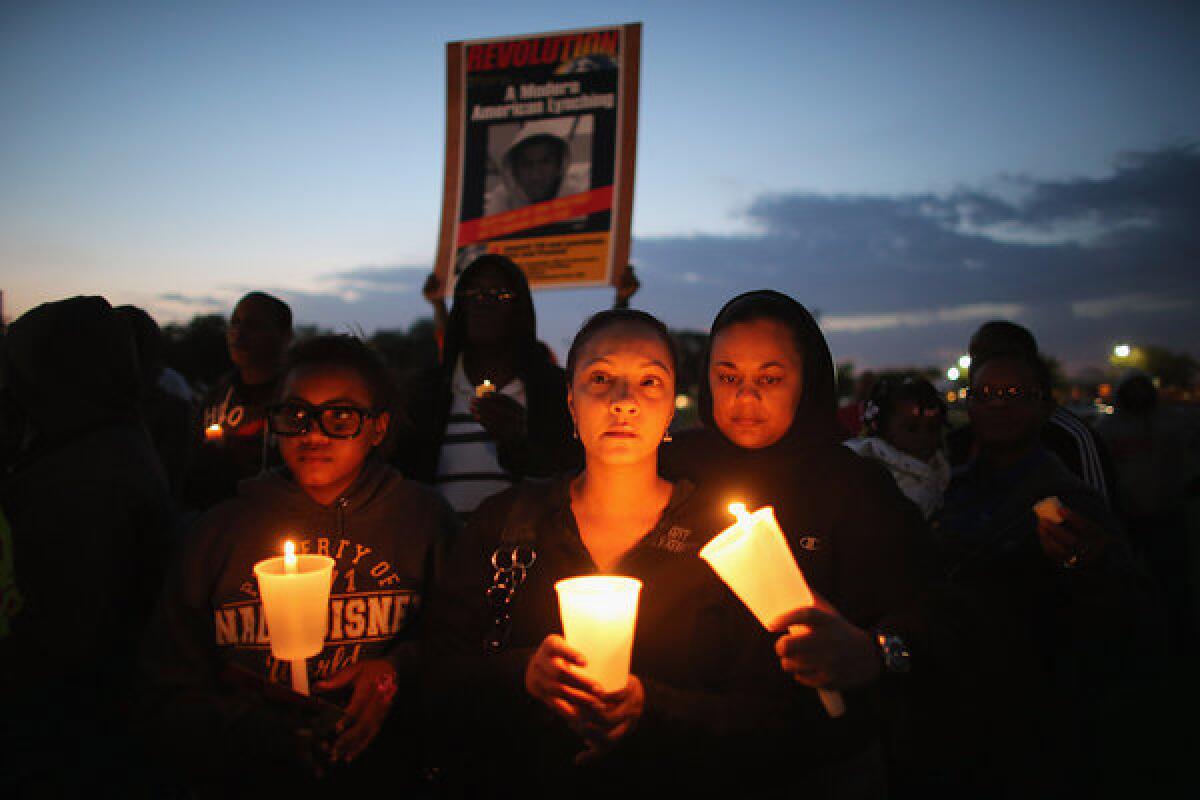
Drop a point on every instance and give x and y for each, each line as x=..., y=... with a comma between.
x=295, y=599
x=752, y=557
x=599, y=614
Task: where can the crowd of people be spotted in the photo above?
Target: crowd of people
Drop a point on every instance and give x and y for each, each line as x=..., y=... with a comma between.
x=984, y=597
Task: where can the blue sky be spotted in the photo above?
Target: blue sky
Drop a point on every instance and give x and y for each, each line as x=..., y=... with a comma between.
x=910, y=170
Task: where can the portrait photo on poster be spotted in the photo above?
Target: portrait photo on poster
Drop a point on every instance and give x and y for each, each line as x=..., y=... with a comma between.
x=541, y=134
x=538, y=160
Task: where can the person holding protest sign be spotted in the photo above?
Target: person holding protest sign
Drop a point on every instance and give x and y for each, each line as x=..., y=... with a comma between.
x=495, y=409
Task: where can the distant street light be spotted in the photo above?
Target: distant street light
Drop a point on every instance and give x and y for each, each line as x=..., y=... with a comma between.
x=952, y=374
x=964, y=362
x=1122, y=351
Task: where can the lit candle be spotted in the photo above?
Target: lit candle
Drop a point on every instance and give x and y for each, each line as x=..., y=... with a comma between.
x=752, y=557
x=599, y=613
x=1050, y=509
x=485, y=388
x=213, y=432
x=295, y=598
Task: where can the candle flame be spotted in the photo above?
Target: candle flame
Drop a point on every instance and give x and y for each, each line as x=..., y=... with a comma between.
x=739, y=511
x=289, y=556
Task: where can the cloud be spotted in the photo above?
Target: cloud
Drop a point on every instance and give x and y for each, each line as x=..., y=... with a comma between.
x=193, y=300
x=897, y=279
x=1081, y=261
x=1144, y=303
x=379, y=279
x=974, y=312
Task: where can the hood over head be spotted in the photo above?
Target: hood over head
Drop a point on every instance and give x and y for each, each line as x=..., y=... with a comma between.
x=815, y=419
x=524, y=337
x=70, y=366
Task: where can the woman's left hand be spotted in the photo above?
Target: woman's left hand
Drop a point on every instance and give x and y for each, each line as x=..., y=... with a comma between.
x=374, y=682
x=1074, y=542
x=824, y=650
x=501, y=416
x=611, y=717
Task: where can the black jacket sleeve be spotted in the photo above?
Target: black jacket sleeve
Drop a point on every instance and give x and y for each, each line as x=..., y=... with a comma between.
x=203, y=727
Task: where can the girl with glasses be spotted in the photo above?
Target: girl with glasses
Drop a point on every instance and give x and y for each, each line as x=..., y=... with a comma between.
x=207, y=654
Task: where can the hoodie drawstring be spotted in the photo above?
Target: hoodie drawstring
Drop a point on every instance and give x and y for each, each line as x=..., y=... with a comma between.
x=340, y=504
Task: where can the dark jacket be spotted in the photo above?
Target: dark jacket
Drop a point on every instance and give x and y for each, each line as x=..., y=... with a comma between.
x=1048, y=641
x=241, y=451
x=714, y=691
x=90, y=514
x=547, y=450
x=860, y=543
x=386, y=536
x=1081, y=451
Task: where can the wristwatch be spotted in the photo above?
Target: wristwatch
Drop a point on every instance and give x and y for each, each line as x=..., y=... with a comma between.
x=897, y=660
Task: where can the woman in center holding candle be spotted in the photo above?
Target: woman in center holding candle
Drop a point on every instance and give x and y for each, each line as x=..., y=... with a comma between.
x=769, y=438
x=218, y=701
x=525, y=716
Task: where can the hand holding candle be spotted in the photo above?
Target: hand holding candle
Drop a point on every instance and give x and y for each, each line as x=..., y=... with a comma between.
x=295, y=600
x=752, y=557
x=599, y=613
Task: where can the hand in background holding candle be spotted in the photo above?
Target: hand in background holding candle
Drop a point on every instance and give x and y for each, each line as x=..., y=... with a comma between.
x=600, y=718
x=1072, y=540
x=374, y=682
x=501, y=416
x=827, y=651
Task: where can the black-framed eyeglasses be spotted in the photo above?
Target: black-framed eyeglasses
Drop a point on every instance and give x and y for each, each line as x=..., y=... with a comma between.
x=488, y=295
x=988, y=393
x=336, y=420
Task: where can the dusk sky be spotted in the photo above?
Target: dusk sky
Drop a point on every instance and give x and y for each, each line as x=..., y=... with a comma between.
x=908, y=169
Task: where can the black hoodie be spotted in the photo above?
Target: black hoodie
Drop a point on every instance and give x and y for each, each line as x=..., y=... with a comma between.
x=547, y=449
x=858, y=540
x=386, y=535
x=90, y=515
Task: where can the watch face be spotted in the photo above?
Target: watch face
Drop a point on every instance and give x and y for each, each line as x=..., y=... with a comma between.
x=896, y=657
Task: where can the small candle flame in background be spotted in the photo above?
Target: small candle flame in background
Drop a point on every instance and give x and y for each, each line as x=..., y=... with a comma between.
x=739, y=511
x=213, y=431
x=289, y=557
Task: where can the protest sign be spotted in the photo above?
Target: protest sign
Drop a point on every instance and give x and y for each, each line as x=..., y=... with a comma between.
x=541, y=135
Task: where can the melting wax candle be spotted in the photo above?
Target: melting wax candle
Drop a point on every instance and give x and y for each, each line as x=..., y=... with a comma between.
x=752, y=557
x=295, y=598
x=599, y=613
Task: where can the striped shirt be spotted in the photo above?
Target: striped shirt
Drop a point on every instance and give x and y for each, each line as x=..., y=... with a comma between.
x=468, y=469
x=1091, y=469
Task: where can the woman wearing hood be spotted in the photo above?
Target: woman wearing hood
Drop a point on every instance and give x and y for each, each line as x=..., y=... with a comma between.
x=770, y=438
x=495, y=409
x=89, y=510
